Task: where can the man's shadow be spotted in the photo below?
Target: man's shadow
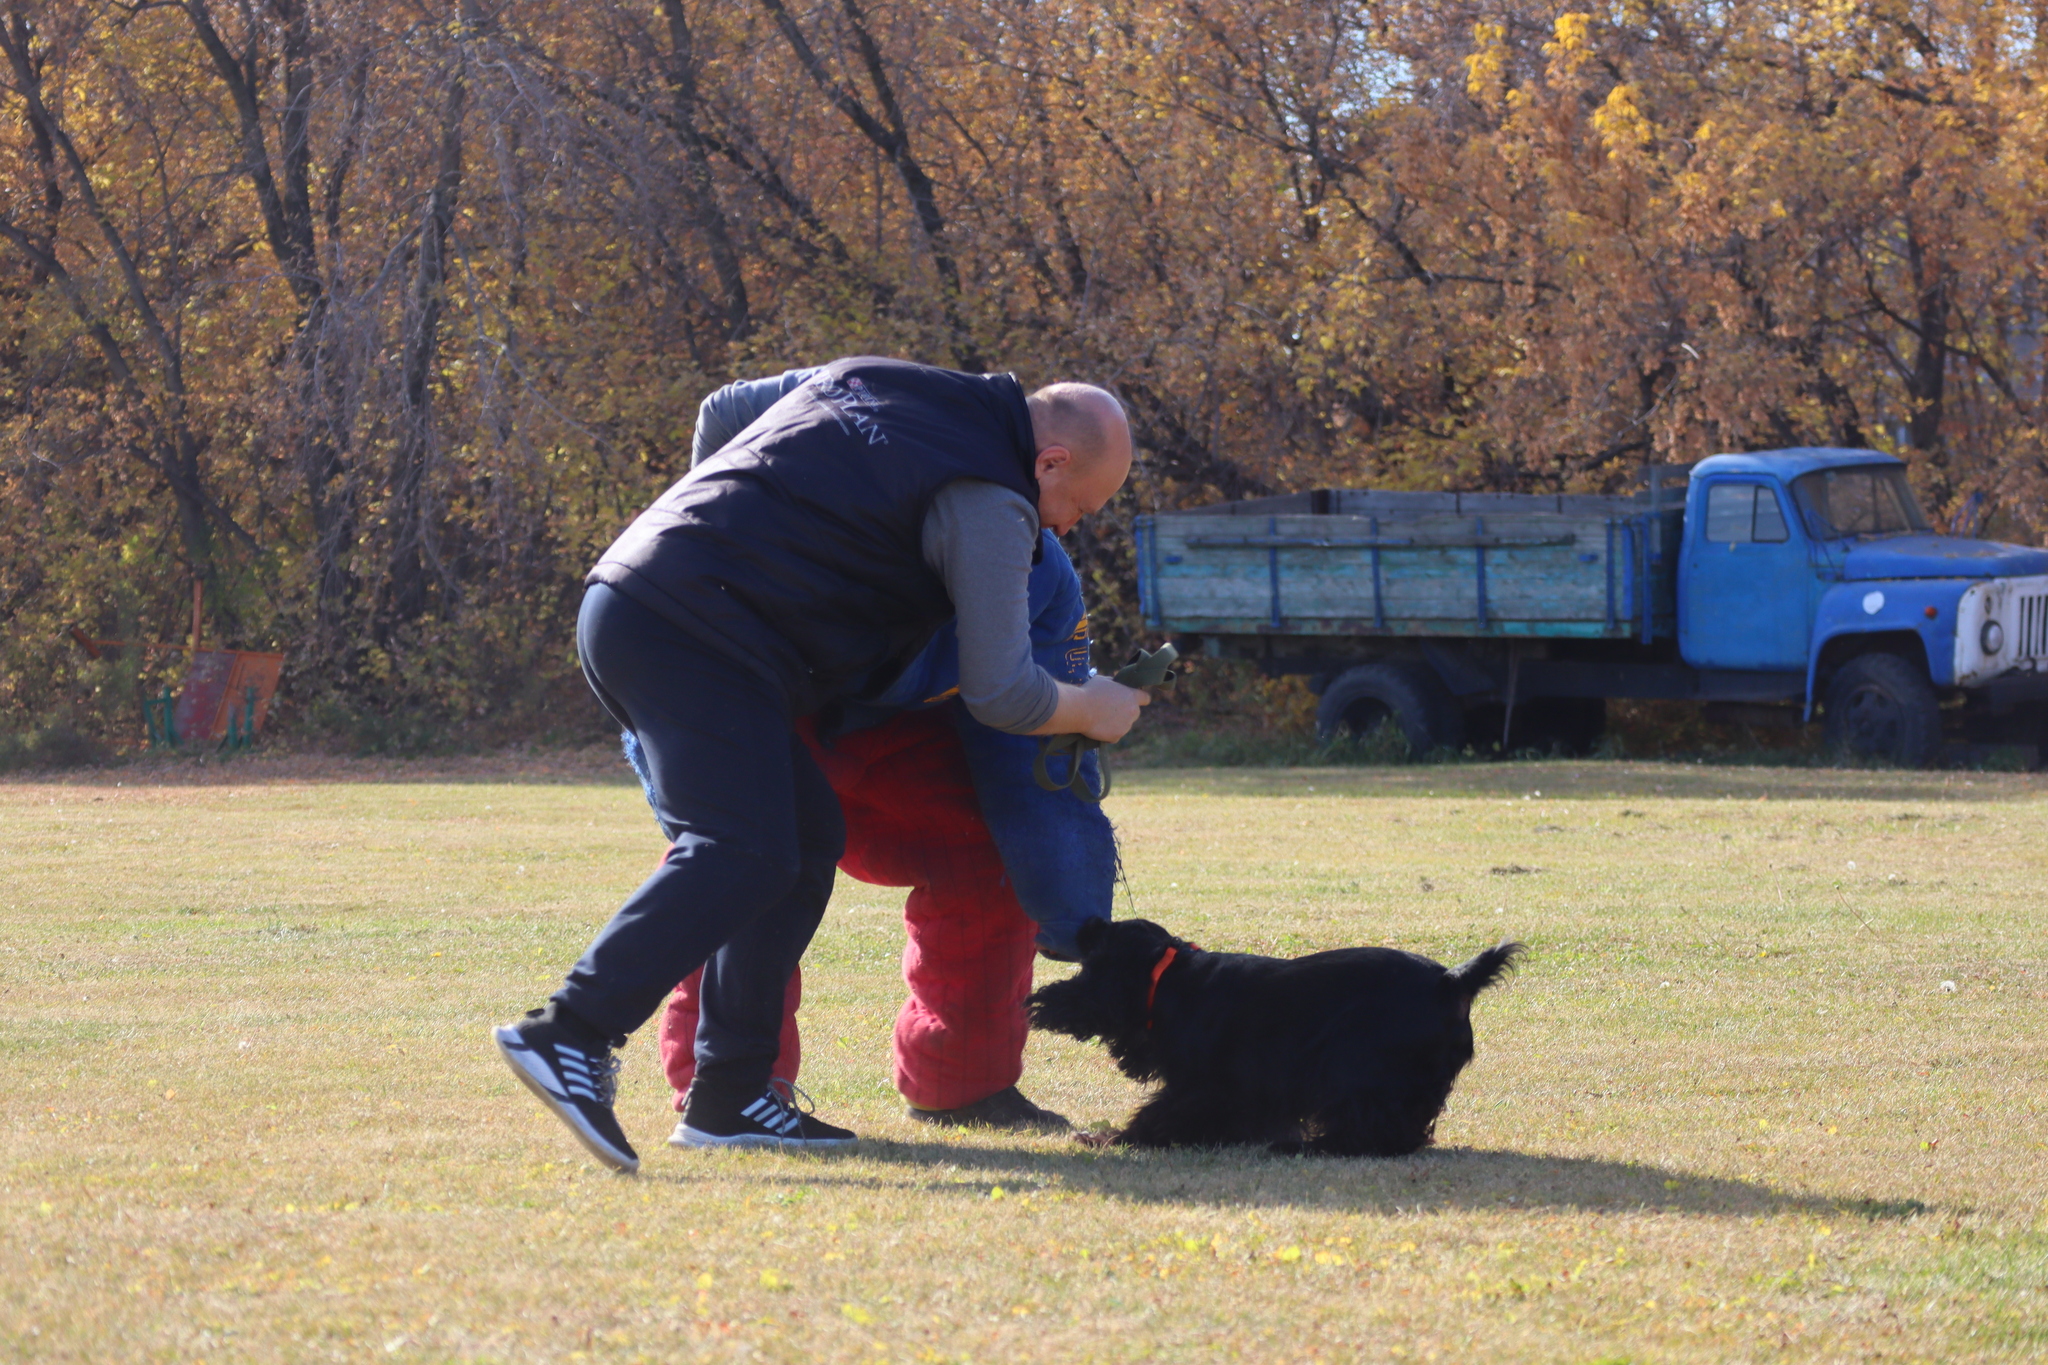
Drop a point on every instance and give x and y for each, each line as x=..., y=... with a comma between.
x=1432, y=1180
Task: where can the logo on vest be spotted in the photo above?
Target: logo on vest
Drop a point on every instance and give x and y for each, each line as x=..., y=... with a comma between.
x=851, y=404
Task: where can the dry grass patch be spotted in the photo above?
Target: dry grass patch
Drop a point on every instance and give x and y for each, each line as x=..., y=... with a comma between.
x=1730, y=1110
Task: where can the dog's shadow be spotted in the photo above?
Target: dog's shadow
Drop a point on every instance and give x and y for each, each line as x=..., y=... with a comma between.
x=1435, y=1179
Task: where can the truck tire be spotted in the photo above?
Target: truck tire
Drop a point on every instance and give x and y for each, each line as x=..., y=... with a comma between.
x=1882, y=706
x=1359, y=699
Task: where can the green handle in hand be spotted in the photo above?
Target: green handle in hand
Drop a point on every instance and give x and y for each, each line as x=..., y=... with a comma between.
x=1147, y=670
x=1150, y=670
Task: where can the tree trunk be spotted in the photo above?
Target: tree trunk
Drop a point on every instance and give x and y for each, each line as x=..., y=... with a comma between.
x=699, y=192
x=406, y=585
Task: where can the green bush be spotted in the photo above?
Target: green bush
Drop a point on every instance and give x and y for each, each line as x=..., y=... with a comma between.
x=50, y=746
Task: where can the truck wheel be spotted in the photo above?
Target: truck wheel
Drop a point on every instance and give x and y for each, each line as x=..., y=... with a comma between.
x=1881, y=706
x=1359, y=699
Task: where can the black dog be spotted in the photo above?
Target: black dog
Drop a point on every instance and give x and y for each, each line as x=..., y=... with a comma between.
x=1348, y=1053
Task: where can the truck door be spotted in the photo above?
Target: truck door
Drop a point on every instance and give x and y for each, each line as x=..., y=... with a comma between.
x=1745, y=591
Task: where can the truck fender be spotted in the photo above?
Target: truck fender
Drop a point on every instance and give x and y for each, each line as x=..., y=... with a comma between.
x=1911, y=616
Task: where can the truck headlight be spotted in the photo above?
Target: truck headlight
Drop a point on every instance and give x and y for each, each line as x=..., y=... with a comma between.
x=1992, y=637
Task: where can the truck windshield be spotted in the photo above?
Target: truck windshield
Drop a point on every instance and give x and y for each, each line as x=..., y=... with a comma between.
x=1862, y=500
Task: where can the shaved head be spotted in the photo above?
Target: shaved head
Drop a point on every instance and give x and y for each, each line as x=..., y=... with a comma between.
x=1083, y=442
x=1086, y=420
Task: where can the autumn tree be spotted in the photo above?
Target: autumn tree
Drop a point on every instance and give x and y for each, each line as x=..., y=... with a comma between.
x=379, y=319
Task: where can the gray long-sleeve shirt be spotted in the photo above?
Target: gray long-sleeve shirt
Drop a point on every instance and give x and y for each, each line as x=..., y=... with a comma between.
x=978, y=538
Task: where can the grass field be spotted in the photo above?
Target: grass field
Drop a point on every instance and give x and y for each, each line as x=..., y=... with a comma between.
x=1771, y=1086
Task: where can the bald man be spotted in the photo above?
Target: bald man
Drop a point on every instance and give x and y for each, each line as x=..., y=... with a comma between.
x=801, y=568
x=998, y=868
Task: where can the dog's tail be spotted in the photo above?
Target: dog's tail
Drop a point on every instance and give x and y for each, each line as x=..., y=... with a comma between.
x=1484, y=970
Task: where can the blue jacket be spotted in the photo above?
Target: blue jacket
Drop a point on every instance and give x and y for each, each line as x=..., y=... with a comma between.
x=1059, y=850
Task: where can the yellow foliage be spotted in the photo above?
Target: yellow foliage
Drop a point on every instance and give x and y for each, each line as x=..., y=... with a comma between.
x=1570, y=46
x=1620, y=122
x=1313, y=243
x=1486, y=68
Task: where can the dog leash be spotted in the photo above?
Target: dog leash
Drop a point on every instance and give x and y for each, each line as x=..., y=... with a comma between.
x=1147, y=670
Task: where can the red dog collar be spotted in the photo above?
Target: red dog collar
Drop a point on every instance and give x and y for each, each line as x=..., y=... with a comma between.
x=1158, y=970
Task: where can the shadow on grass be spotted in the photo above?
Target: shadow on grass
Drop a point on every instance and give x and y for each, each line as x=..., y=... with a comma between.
x=1434, y=1180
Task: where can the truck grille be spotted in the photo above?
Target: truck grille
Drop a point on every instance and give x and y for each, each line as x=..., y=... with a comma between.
x=2033, y=634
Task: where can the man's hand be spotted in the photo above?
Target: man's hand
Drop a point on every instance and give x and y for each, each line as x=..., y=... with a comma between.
x=1101, y=708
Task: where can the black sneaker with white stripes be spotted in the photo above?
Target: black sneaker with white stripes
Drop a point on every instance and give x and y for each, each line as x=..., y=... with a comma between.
x=573, y=1074
x=771, y=1120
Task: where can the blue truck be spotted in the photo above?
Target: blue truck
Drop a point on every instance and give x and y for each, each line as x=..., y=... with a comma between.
x=1780, y=586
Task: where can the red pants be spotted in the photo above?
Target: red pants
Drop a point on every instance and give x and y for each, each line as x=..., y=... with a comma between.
x=912, y=820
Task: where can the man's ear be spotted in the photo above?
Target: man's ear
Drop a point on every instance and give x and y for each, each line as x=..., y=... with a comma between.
x=1051, y=457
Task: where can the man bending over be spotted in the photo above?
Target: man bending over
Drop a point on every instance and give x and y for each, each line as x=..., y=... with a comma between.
x=936, y=801
x=815, y=555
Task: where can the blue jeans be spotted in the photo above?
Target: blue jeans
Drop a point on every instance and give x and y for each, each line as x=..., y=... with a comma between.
x=757, y=836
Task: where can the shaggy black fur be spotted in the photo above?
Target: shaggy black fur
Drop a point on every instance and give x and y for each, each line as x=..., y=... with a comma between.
x=1349, y=1053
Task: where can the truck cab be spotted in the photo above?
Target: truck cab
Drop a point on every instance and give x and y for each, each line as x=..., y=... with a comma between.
x=1821, y=560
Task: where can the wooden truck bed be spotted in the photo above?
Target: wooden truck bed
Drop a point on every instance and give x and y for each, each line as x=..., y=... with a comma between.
x=1342, y=562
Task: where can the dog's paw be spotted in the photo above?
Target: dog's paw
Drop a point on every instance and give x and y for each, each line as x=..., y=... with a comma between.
x=1099, y=1137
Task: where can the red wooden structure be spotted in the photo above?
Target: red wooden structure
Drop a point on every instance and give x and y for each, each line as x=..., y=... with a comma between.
x=217, y=684
x=227, y=692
